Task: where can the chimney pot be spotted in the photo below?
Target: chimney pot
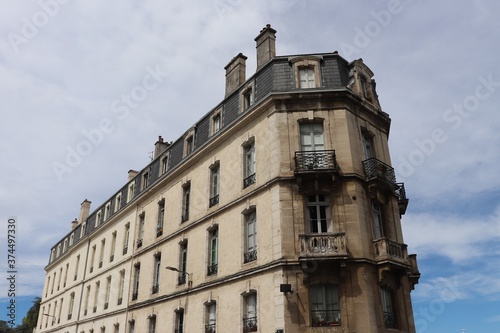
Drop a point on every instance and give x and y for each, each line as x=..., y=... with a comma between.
x=84, y=211
x=235, y=73
x=266, y=46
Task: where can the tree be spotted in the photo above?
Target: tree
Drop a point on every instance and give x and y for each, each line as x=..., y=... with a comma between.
x=31, y=318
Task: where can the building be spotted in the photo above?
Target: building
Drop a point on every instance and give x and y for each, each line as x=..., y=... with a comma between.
x=278, y=211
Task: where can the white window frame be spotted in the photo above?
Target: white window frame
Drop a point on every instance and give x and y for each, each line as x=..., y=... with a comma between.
x=319, y=214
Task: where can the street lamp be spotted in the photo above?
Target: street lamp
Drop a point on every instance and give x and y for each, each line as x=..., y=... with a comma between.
x=53, y=317
x=190, y=282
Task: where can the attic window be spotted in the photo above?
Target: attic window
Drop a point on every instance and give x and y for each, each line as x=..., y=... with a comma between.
x=307, y=72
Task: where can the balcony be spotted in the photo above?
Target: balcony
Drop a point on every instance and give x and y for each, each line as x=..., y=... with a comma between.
x=325, y=318
x=386, y=249
x=250, y=324
x=139, y=243
x=212, y=269
x=159, y=231
x=250, y=256
x=402, y=199
x=210, y=328
x=314, y=161
x=213, y=200
x=249, y=180
x=375, y=169
x=181, y=279
x=154, y=289
x=134, y=296
x=185, y=216
x=125, y=250
x=323, y=245
x=390, y=320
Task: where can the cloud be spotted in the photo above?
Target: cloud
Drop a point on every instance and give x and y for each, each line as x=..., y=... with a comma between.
x=460, y=239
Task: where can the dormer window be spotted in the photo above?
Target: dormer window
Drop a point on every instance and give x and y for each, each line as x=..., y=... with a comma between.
x=216, y=121
x=164, y=164
x=307, y=72
x=145, y=180
x=306, y=77
x=189, y=143
x=247, y=96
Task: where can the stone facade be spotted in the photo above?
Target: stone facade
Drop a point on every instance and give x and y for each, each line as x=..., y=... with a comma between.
x=278, y=211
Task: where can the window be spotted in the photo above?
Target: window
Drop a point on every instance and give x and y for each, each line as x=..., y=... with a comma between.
x=140, y=231
x=250, y=313
x=118, y=202
x=152, y=324
x=107, y=211
x=210, y=325
x=96, y=296
x=131, y=191
x=164, y=164
x=66, y=275
x=214, y=184
x=186, y=192
x=92, y=258
x=306, y=77
x=76, y=267
x=60, y=310
x=250, y=236
x=113, y=246
x=71, y=305
x=125, y=238
x=98, y=219
x=60, y=277
x=378, y=229
x=311, y=137
x=108, y=292
x=131, y=326
x=121, y=287
x=83, y=230
x=182, y=263
x=145, y=180
x=87, y=297
x=179, y=321
x=65, y=245
x=249, y=164
x=156, y=273
x=137, y=273
x=53, y=283
x=58, y=250
x=325, y=308
x=367, y=145
x=389, y=313
x=319, y=214
x=189, y=144
x=248, y=98
x=161, y=218
x=48, y=284
x=216, y=122
x=213, y=251
x=71, y=239
x=101, y=255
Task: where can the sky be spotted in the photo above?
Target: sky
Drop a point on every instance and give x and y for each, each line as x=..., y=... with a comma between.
x=69, y=130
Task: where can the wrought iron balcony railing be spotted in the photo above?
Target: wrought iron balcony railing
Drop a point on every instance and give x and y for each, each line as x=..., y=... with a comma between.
x=213, y=200
x=390, y=320
x=250, y=256
x=134, y=296
x=210, y=328
x=250, y=324
x=402, y=199
x=212, y=269
x=306, y=161
x=249, y=180
x=181, y=279
x=378, y=169
x=325, y=318
x=185, y=216
x=154, y=289
x=323, y=245
x=389, y=249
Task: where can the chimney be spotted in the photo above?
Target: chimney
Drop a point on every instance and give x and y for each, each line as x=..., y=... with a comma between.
x=266, y=46
x=235, y=73
x=84, y=211
x=160, y=146
x=74, y=224
x=132, y=174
